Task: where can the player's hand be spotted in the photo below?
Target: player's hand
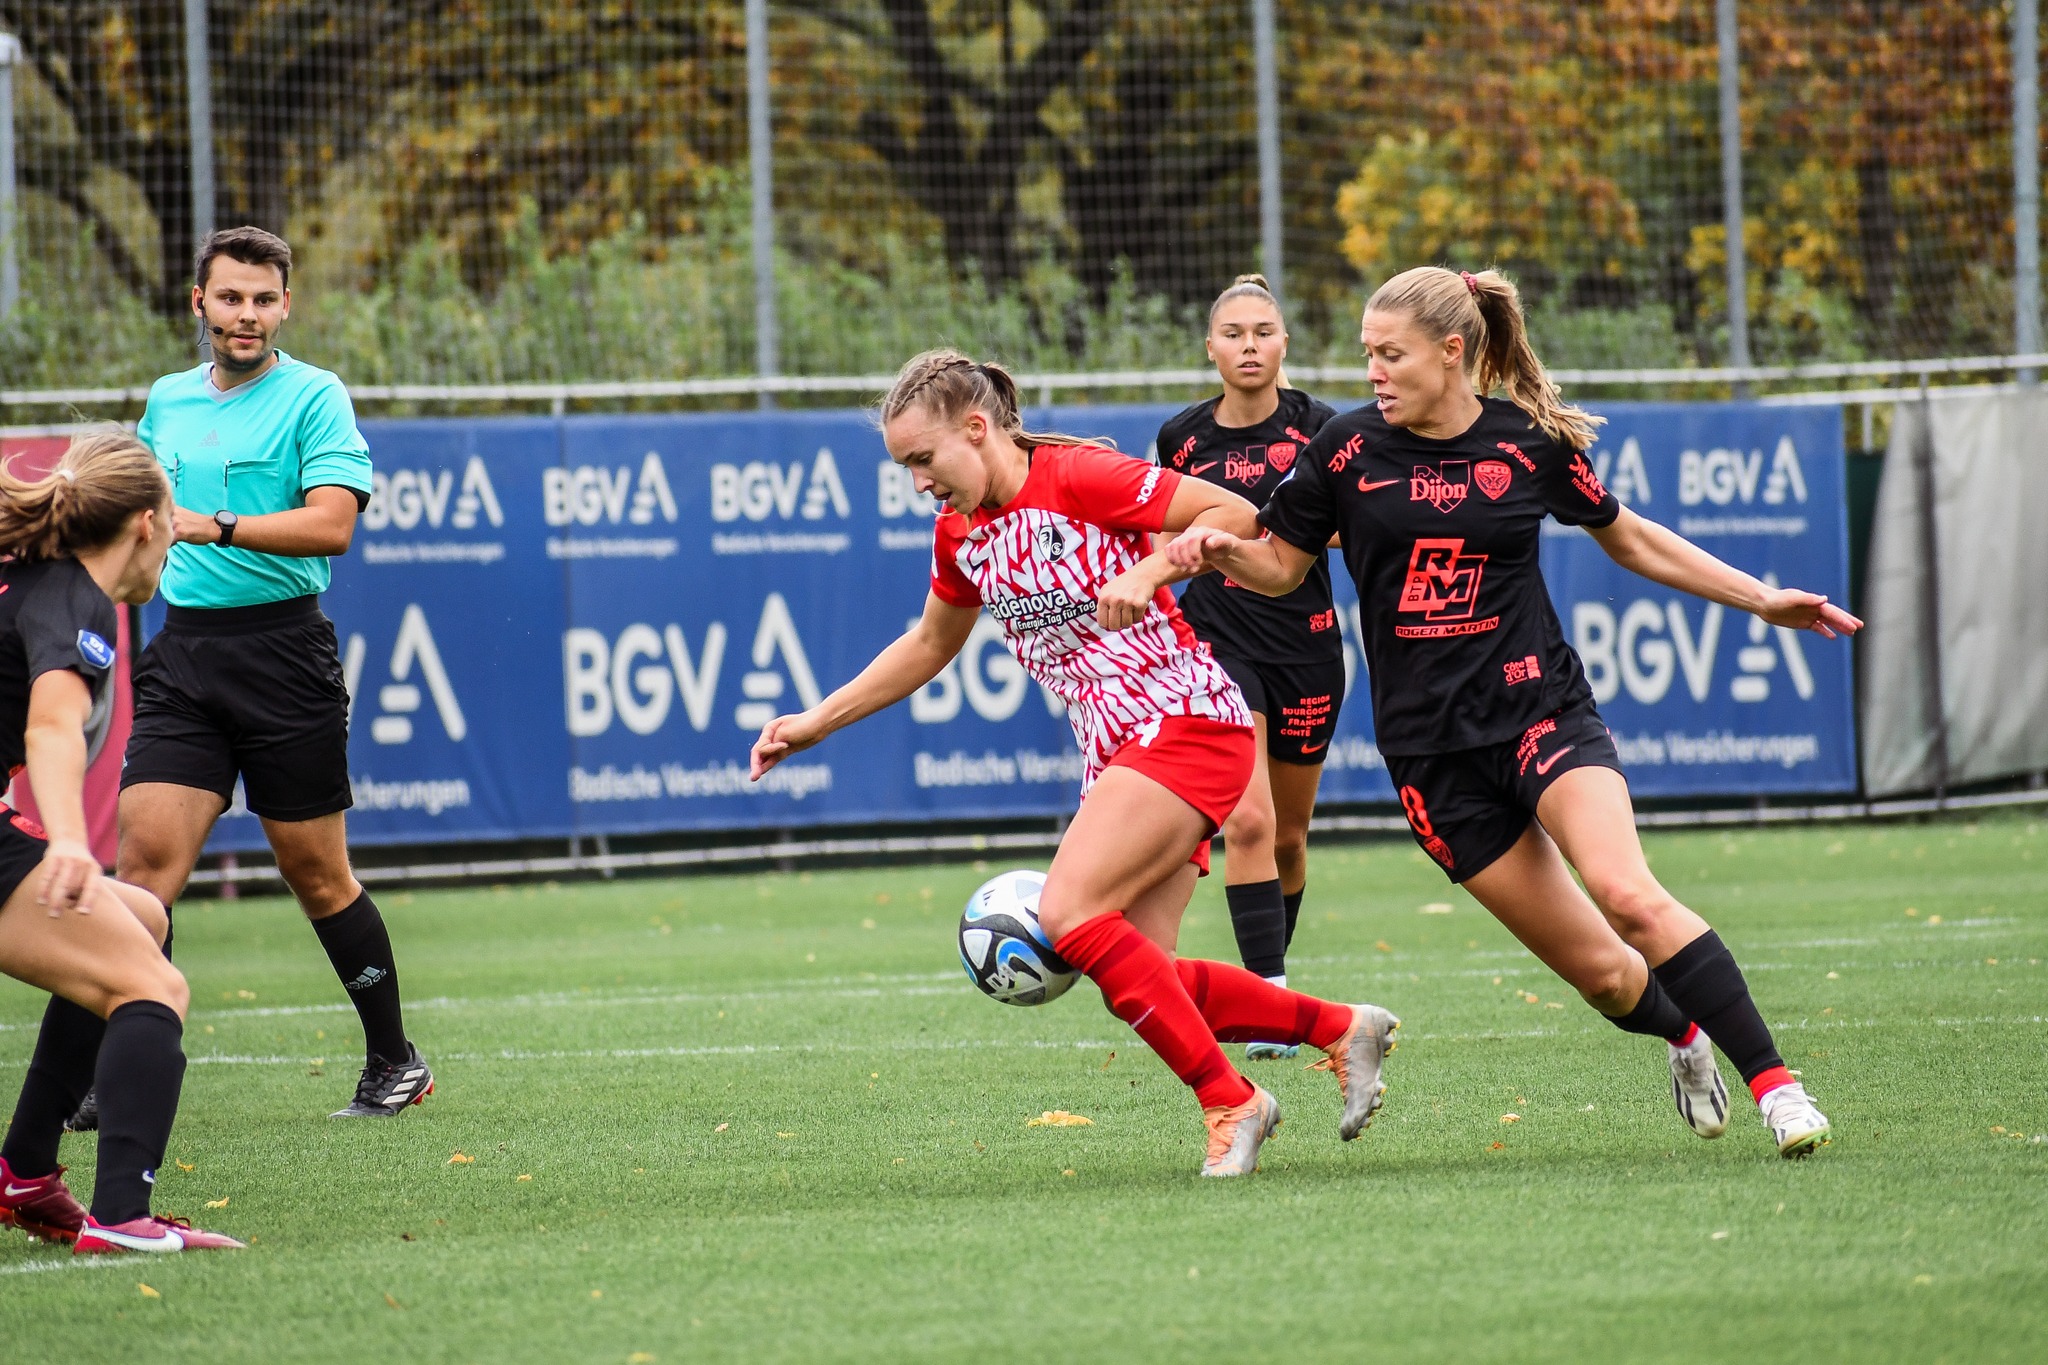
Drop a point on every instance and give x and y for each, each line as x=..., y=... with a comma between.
x=1125, y=599
x=67, y=877
x=1200, y=548
x=1807, y=611
x=781, y=737
x=193, y=528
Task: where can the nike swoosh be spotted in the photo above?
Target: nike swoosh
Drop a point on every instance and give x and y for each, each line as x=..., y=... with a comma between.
x=13, y=1193
x=1544, y=765
x=1202, y=469
x=1311, y=748
x=1365, y=487
x=170, y=1241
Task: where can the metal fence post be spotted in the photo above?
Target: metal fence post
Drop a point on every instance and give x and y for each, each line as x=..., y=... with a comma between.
x=761, y=160
x=1266, y=76
x=1727, y=37
x=2026, y=180
x=199, y=118
x=10, y=270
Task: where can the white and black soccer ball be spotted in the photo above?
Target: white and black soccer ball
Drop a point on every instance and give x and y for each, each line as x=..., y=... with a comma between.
x=1003, y=947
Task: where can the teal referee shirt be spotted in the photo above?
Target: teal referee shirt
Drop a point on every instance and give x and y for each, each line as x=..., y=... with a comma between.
x=257, y=448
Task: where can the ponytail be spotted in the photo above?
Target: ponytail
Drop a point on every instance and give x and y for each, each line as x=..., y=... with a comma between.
x=1486, y=310
x=105, y=476
x=948, y=385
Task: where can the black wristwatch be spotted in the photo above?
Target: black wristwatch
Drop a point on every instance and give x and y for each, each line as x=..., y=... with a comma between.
x=226, y=521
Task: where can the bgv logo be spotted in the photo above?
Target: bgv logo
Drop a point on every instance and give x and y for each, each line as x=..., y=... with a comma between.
x=588, y=494
x=406, y=497
x=399, y=700
x=1723, y=476
x=759, y=489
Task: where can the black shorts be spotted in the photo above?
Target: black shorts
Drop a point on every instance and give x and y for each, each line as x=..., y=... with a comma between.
x=1467, y=808
x=1299, y=702
x=249, y=692
x=22, y=846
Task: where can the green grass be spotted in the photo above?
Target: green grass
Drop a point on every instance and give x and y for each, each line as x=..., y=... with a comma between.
x=766, y=1119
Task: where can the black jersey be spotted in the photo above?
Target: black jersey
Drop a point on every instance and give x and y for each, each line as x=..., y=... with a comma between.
x=52, y=615
x=1442, y=536
x=1251, y=462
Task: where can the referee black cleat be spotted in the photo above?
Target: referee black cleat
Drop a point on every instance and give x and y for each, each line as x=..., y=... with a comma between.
x=87, y=1119
x=388, y=1087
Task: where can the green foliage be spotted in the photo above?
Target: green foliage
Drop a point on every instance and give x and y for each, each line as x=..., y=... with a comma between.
x=78, y=327
x=766, y=1119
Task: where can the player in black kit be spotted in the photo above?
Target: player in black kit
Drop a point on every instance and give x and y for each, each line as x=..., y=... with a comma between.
x=1284, y=653
x=1508, y=776
x=98, y=527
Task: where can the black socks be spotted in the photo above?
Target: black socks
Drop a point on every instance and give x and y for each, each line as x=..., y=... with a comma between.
x=360, y=949
x=170, y=927
x=141, y=1069
x=1654, y=1016
x=1292, y=900
x=1258, y=915
x=1703, y=981
x=67, y=1049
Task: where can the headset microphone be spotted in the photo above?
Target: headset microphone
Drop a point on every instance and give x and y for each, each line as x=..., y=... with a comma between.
x=217, y=331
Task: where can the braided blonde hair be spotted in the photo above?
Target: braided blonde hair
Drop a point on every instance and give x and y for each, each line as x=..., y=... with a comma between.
x=948, y=385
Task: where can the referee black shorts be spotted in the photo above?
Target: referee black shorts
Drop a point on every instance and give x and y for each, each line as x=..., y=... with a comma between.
x=249, y=692
x=1468, y=808
x=22, y=846
x=1299, y=702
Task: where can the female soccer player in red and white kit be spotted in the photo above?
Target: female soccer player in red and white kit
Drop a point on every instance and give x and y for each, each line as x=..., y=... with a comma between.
x=1508, y=776
x=1284, y=653
x=1052, y=536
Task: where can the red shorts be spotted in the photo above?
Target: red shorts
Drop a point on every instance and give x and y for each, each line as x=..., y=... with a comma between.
x=1204, y=762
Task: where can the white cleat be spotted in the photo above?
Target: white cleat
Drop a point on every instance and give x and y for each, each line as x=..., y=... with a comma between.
x=1697, y=1087
x=1800, y=1129
x=1357, y=1058
x=1237, y=1133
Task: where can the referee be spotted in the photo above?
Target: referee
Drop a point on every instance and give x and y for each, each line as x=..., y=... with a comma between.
x=269, y=473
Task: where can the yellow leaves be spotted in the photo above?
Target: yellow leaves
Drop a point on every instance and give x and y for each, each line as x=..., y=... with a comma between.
x=1923, y=1279
x=219, y=1203
x=1495, y=1147
x=245, y=995
x=1068, y=1171
x=460, y=1160
x=1553, y=1005
x=1059, y=1118
x=1530, y=997
x=1719, y=1236
x=147, y=1292
x=1510, y=1118
x=1934, y=919
x=721, y=1127
x=597, y=1293
x=1106, y=1061
x=393, y=1304
x=785, y=1135
x=644, y=1357
x=1383, y=945
x=185, y=1166
x=1194, y=1272
x=526, y=1178
x=868, y=923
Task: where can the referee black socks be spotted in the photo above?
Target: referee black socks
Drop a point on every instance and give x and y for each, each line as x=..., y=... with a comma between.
x=360, y=949
x=1292, y=900
x=67, y=1049
x=1654, y=1015
x=141, y=1069
x=1703, y=981
x=1258, y=916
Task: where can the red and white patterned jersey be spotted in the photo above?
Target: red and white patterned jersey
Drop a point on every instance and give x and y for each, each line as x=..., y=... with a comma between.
x=1037, y=564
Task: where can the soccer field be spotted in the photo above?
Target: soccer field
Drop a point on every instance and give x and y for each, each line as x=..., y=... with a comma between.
x=766, y=1118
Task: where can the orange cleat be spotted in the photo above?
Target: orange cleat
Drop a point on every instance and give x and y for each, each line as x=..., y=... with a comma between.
x=1358, y=1057
x=1236, y=1133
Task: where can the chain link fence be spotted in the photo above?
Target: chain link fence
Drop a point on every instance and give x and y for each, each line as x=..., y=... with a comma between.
x=490, y=193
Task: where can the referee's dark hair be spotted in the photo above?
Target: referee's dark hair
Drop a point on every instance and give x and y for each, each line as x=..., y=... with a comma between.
x=105, y=477
x=250, y=246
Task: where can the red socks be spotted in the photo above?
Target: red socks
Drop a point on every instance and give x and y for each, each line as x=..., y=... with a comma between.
x=1764, y=1082
x=1243, y=1007
x=1140, y=986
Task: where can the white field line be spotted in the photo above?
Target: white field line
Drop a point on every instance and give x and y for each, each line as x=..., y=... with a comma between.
x=68, y=1263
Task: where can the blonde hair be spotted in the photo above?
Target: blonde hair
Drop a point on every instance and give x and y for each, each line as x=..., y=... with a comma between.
x=1486, y=310
x=105, y=476
x=948, y=385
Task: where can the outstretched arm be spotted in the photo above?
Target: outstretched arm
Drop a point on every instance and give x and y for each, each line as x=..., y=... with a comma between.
x=1663, y=556
x=911, y=661
x=1266, y=564
x=1125, y=599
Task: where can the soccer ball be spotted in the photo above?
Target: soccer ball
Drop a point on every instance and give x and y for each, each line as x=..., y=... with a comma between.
x=1005, y=952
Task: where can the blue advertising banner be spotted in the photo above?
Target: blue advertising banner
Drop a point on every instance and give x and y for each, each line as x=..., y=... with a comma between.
x=577, y=625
